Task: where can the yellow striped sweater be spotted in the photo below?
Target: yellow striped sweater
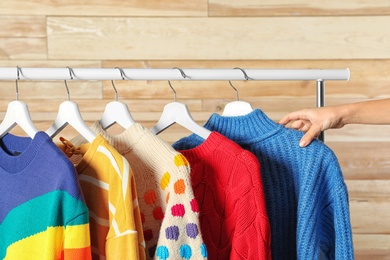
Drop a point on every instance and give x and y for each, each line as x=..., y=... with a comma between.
x=108, y=186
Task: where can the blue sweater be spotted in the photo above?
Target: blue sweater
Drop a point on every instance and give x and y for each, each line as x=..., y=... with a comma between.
x=306, y=196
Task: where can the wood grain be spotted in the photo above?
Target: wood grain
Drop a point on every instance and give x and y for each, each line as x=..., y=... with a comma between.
x=105, y=8
x=44, y=63
x=22, y=26
x=275, y=38
x=297, y=8
x=371, y=189
x=371, y=246
x=23, y=48
x=217, y=34
x=55, y=89
x=363, y=160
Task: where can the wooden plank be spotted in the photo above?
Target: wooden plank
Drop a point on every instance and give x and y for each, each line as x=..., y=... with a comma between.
x=363, y=160
x=51, y=63
x=373, y=189
x=370, y=216
x=297, y=8
x=29, y=90
x=371, y=246
x=105, y=8
x=359, y=133
x=23, y=37
x=369, y=206
x=22, y=26
x=276, y=38
x=23, y=48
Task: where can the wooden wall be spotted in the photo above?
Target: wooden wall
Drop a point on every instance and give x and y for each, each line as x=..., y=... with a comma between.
x=217, y=34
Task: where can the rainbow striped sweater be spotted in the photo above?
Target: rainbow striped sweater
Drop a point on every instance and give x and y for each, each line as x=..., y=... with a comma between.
x=42, y=211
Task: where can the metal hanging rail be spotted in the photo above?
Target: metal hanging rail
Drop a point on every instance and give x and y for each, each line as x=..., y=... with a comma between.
x=318, y=75
x=10, y=73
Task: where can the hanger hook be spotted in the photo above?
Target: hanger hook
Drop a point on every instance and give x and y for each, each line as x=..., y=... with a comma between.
x=170, y=85
x=18, y=72
x=237, y=97
x=246, y=78
x=71, y=73
x=245, y=75
x=123, y=75
x=174, y=91
x=181, y=72
x=113, y=85
x=116, y=92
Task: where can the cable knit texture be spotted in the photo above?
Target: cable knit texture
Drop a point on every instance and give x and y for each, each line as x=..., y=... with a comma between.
x=170, y=212
x=227, y=184
x=306, y=196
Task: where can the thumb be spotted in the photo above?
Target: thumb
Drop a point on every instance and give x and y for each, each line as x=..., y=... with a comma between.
x=309, y=136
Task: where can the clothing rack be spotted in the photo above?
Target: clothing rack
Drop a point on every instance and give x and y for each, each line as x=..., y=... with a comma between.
x=318, y=75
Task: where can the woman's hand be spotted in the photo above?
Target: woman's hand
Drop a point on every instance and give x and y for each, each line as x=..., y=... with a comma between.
x=313, y=122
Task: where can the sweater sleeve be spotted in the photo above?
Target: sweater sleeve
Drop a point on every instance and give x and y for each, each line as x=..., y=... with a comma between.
x=122, y=237
x=324, y=226
x=343, y=234
x=77, y=238
x=252, y=235
x=180, y=234
x=336, y=238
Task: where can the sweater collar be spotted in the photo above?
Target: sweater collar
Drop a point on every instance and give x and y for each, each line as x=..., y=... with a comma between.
x=85, y=152
x=125, y=140
x=17, y=152
x=253, y=127
x=203, y=148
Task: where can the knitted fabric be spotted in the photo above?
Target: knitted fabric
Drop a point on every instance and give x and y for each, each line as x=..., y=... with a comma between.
x=306, y=196
x=170, y=212
x=227, y=184
x=42, y=211
x=108, y=186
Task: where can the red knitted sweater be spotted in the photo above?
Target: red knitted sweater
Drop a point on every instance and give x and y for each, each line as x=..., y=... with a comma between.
x=227, y=185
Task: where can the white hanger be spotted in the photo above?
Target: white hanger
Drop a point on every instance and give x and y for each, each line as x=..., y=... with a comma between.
x=116, y=111
x=69, y=113
x=176, y=112
x=238, y=107
x=17, y=114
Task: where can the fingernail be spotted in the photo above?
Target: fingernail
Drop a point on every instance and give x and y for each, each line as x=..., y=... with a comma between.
x=302, y=143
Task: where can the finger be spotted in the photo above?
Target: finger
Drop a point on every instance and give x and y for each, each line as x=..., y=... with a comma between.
x=305, y=128
x=284, y=120
x=308, y=137
x=297, y=125
x=289, y=117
